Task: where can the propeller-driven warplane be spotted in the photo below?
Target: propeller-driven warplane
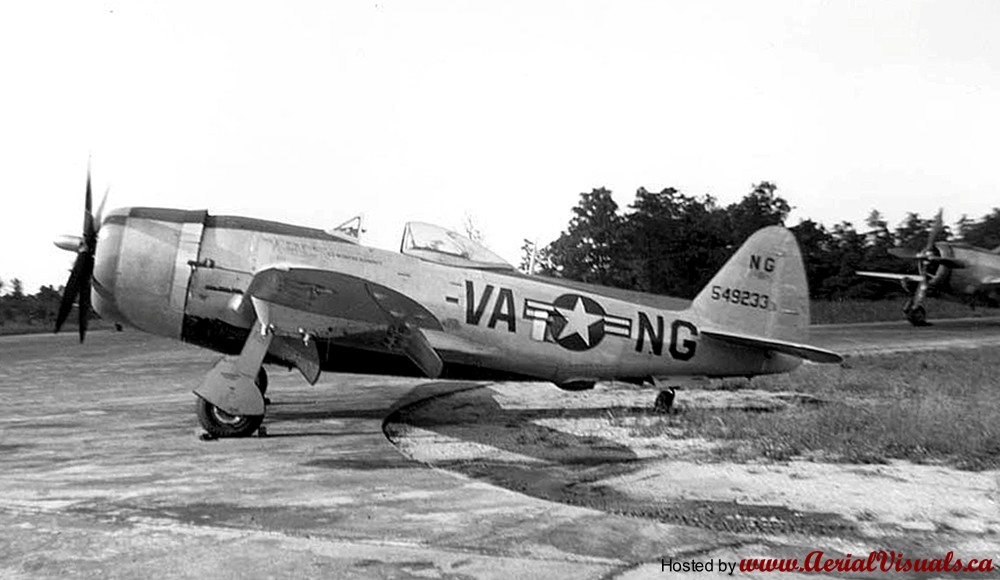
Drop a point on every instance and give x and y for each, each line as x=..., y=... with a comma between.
x=444, y=306
x=954, y=270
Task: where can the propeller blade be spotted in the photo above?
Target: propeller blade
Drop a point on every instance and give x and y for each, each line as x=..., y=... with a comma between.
x=904, y=253
x=84, y=302
x=935, y=230
x=68, y=243
x=86, y=202
x=99, y=216
x=89, y=231
x=71, y=291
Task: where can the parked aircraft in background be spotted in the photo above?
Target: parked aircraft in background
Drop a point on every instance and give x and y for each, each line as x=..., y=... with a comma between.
x=954, y=270
x=444, y=306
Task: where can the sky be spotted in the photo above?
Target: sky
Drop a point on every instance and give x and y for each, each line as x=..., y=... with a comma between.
x=311, y=112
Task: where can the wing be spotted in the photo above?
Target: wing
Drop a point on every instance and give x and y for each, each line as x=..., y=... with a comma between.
x=336, y=295
x=803, y=351
x=914, y=278
x=305, y=303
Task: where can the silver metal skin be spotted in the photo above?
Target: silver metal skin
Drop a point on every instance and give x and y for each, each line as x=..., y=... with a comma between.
x=141, y=271
x=262, y=291
x=978, y=266
x=154, y=267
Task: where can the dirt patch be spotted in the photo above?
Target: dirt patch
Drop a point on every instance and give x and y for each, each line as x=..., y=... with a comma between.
x=591, y=451
x=584, y=488
x=217, y=514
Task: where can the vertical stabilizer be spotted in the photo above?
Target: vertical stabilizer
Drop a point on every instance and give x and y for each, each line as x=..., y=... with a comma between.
x=760, y=292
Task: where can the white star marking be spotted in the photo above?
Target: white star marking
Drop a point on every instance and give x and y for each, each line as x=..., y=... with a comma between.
x=578, y=321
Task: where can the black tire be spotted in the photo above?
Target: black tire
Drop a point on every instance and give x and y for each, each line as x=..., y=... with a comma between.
x=219, y=423
x=917, y=316
x=664, y=401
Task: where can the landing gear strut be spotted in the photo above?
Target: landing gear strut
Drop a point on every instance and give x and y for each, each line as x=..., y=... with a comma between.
x=231, y=398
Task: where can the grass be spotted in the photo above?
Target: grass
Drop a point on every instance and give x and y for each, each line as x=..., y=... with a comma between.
x=849, y=311
x=929, y=408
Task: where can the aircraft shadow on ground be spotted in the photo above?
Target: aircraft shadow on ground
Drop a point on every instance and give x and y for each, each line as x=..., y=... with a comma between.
x=512, y=447
x=330, y=406
x=473, y=415
x=467, y=412
x=557, y=465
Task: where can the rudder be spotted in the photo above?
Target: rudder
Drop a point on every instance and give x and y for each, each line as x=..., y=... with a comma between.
x=760, y=291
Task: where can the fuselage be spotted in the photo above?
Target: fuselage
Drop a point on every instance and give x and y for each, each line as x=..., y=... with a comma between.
x=967, y=283
x=184, y=274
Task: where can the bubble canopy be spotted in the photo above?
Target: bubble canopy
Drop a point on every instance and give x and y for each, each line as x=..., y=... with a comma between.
x=443, y=246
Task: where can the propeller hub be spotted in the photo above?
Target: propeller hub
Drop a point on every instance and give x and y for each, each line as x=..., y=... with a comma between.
x=68, y=243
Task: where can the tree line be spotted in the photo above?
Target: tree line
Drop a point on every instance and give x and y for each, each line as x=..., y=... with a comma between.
x=671, y=243
x=16, y=307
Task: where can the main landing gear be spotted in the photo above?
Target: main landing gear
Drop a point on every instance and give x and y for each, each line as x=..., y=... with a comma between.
x=915, y=314
x=218, y=423
x=231, y=399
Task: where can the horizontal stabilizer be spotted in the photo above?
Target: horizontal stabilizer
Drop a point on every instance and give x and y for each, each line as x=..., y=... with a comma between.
x=802, y=351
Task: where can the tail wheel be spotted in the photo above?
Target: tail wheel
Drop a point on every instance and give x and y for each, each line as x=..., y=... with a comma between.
x=664, y=401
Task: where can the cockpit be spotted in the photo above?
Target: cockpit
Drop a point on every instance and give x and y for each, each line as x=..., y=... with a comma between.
x=441, y=246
